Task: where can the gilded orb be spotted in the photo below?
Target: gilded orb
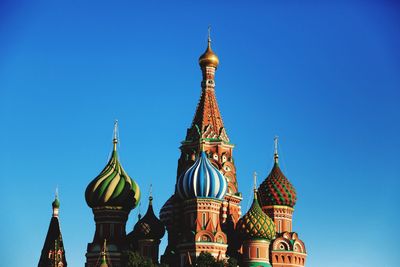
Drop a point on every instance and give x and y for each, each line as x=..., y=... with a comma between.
x=208, y=58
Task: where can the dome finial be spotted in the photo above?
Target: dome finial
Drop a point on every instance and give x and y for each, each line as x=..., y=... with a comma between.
x=139, y=215
x=201, y=147
x=103, y=255
x=56, y=193
x=255, y=184
x=56, y=204
x=276, y=156
x=115, y=138
x=208, y=58
x=209, y=35
x=151, y=195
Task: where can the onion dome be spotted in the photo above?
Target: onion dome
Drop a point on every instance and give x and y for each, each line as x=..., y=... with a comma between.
x=208, y=58
x=149, y=227
x=166, y=212
x=113, y=186
x=255, y=224
x=276, y=188
x=56, y=203
x=202, y=180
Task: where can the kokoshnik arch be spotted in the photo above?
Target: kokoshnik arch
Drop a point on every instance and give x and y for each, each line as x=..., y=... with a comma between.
x=203, y=214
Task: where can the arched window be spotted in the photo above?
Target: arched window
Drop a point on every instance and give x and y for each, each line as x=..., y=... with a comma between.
x=205, y=238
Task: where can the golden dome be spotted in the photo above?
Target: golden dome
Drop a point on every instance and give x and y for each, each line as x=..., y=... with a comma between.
x=208, y=58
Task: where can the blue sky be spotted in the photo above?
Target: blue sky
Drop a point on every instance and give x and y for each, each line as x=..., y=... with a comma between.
x=323, y=76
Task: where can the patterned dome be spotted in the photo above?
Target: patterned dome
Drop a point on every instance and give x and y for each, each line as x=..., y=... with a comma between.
x=202, y=180
x=256, y=224
x=113, y=186
x=149, y=227
x=276, y=189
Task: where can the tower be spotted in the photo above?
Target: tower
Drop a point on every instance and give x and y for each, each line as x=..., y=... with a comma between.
x=278, y=197
x=257, y=230
x=205, y=138
x=202, y=189
x=111, y=195
x=53, y=253
x=147, y=233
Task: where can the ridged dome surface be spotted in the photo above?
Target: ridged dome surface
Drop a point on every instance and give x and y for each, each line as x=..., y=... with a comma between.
x=202, y=180
x=113, y=187
x=208, y=58
x=277, y=190
x=149, y=227
x=255, y=224
x=166, y=212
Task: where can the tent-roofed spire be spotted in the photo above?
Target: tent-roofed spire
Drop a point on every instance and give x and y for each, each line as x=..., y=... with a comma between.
x=53, y=251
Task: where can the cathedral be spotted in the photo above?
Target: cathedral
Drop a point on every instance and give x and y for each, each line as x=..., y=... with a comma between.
x=204, y=213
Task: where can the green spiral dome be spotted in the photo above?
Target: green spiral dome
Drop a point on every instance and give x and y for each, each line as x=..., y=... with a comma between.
x=255, y=224
x=113, y=187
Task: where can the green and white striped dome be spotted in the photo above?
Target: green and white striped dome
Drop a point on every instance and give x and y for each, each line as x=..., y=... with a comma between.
x=113, y=186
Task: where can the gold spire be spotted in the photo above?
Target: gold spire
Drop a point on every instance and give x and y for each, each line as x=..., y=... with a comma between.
x=276, y=156
x=209, y=58
x=115, y=139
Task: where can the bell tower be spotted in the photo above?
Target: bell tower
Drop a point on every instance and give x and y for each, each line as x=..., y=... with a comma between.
x=206, y=137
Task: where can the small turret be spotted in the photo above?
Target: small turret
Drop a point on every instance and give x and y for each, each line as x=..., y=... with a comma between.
x=147, y=233
x=53, y=253
x=257, y=230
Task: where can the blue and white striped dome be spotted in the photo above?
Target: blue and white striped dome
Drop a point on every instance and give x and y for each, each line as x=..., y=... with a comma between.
x=202, y=180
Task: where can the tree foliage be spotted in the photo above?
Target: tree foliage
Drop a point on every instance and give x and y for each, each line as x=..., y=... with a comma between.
x=134, y=259
x=205, y=259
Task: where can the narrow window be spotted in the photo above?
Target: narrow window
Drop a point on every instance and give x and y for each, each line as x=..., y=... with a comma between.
x=257, y=253
x=204, y=219
x=279, y=226
x=112, y=230
x=191, y=219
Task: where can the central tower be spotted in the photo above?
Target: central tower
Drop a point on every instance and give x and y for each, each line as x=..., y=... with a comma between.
x=207, y=142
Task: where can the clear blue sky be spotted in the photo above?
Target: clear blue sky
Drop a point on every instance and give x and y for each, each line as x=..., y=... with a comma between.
x=324, y=77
